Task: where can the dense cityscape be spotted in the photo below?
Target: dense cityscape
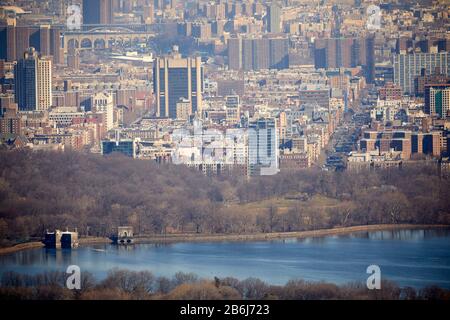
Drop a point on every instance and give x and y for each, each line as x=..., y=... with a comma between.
x=239, y=118
x=223, y=86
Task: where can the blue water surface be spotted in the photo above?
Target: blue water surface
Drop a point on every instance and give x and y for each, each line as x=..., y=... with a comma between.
x=416, y=258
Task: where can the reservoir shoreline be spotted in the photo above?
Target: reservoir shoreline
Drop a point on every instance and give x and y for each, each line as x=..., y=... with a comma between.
x=172, y=238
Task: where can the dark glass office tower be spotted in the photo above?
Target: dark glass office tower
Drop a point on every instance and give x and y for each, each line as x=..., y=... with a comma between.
x=174, y=79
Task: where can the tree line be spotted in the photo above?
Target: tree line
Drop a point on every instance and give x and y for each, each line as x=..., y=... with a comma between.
x=121, y=284
x=43, y=190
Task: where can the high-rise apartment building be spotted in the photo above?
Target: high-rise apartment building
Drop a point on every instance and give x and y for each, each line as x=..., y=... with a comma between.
x=261, y=54
x=98, y=11
x=8, y=40
x=232, y=107
x=364, y=54
x=334, y=53
x=273, y=18
x=103, y=102
x=346, y=53
x=247, y=54
x=234, y=53
x=263, y=150
x=16, y=40
x=407, y=67
x=426, y=143
x=258, y=53
x=56, y=50
x=10, y=122
x=175, y=78
x=437, y=100
x=40, y=39
x=33, y=77
x=279, y=53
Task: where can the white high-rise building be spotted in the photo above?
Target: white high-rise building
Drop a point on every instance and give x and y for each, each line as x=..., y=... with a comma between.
x=437, y=100
x=263, y=152
x=103, y=102
x=407, y=67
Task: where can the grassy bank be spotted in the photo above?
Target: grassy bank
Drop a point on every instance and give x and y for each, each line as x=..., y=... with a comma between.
x=21, y=246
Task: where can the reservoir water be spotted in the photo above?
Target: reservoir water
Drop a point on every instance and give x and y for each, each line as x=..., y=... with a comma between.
x=416, y=258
